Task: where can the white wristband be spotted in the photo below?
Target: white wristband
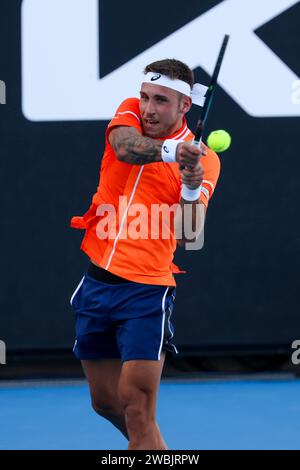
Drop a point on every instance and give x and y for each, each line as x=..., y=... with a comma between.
x=168, y=150
x=190, y=194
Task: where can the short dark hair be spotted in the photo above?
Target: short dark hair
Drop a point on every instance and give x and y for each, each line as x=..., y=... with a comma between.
x=172, y=68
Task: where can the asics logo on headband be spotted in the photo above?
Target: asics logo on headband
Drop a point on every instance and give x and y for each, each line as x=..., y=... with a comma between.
x=155, y=77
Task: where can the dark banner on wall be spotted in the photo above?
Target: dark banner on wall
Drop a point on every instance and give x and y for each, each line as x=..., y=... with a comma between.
x=65, y=68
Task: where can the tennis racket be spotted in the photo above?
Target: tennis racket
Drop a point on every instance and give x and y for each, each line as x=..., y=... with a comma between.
x=210, y=93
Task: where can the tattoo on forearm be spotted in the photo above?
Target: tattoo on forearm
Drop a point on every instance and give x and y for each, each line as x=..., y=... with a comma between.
x=141, y=150
x=133, y=148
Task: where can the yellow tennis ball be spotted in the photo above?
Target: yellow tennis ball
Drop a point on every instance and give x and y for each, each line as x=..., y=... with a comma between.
x=219, y=141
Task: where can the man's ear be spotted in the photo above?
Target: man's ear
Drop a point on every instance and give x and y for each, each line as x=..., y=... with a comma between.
x=186, y=104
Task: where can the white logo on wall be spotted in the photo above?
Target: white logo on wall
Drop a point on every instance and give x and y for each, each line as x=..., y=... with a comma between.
x=2, y=352
x=60, y=59
x=296, y=92
x=296, y=354
x=2, y=92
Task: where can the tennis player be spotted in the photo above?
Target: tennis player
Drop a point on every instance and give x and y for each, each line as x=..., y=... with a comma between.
x=124, y=302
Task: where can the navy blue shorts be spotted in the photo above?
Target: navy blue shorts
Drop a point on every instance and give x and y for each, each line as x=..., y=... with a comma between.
x=128, y=320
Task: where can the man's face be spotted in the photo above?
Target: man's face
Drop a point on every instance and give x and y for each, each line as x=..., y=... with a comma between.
x=162, y=110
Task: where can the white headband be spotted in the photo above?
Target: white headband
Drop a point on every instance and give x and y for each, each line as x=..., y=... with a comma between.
x=197, y=93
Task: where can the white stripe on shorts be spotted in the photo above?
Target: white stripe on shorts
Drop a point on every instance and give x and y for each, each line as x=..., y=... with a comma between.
x=163, y=322
x=76, y=290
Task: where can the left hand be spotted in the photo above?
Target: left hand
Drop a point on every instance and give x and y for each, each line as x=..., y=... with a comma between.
x=192, y=177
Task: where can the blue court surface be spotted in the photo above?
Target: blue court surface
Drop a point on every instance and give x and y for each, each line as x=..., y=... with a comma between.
x=216, y=414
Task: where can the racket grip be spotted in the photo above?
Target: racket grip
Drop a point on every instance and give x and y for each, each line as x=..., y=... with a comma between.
x=198, y=142
x=195, y=142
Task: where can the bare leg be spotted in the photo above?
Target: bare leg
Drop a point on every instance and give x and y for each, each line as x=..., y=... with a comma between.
x=103, y=378
x=138, y=390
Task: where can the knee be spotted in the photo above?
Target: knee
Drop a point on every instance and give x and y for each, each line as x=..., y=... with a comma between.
x=136, y=406
x=104, y=408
